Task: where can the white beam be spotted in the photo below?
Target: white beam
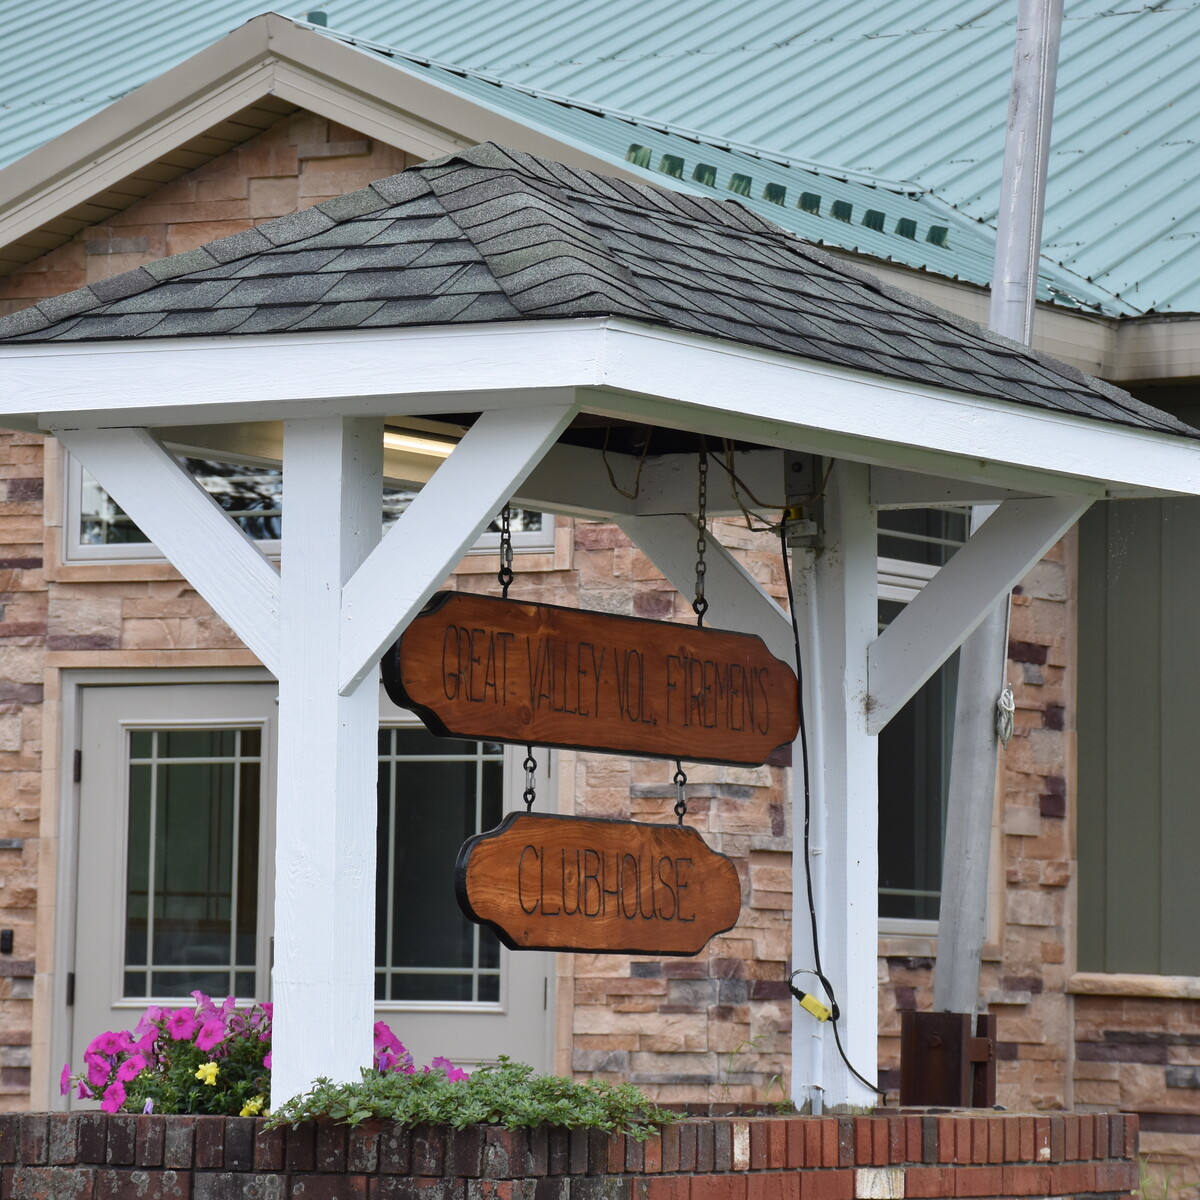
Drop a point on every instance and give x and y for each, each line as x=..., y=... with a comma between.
x=207, y=547
x=736, y=600
x=892, y=488
x=937, y=621
x=324, y=971
x=836, y=612
x=439, y=526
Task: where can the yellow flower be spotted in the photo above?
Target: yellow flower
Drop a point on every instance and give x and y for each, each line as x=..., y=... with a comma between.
x=252, y=1107
x=207, y=1073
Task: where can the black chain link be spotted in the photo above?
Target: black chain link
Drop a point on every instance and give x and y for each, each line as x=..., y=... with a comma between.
x=530, y=765
x=700, y=604
x=679, y=780
x=505, y=575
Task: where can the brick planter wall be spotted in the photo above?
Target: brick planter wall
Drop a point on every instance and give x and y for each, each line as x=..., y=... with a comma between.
x=92, y=1156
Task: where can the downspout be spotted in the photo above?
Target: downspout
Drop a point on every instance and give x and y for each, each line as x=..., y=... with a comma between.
x=962, y=926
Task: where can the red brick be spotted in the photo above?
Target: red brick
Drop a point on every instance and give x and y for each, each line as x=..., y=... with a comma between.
x=945, y=1139
x=773, y=1185
x=1041, y=1139
x=977, y=1181
x=331, y=1146
x=1026, y=1149
x=829, y=1142
x=652, y=1155
x=963, y=1141
x=210, y=1142
x=300, y=1146
x=759, y=1145
x=794, y=1130
x=1058, y=1138
x=1060, y=1176
x=777, y=1143
x=268, y=1148
x=1100, y=1148
x=676, y=1188
x=995, y=1139
x=330, y=1187
x=827, y=1185
x=923, y=1182
x=862, y=1143
x=670, y=1148
x=1131, y=1135
x=814, y=1134
x=1071, y=1137
x=979, y=1145
x=1025, y=1180
x=896, y=1140
x=635, y=1155
x=723, y=1187
x=113, y=1184
x=879, y=1141
x=362, y=1152
x=1087, y=1139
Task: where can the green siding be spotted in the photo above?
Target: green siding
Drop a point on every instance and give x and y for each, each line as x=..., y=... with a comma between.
x=1139, y=748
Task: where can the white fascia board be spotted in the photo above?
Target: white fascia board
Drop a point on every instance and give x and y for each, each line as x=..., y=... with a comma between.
x=918, y=424
x=626, y=370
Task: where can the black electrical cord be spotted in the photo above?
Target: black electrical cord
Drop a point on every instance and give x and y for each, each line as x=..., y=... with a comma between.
x=834, y=1011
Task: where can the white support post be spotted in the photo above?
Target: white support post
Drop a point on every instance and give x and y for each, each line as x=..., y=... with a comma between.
x=736, y=601
x=204, y=544
x=955, y=601
x=836, y=611
x=324, y=972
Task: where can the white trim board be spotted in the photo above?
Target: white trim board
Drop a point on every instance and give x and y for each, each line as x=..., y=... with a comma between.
x=638, y=373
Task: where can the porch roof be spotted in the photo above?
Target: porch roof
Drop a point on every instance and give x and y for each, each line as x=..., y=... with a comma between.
x=492, y=235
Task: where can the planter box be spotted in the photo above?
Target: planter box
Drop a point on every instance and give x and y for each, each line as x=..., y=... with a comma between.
x=94, y=1156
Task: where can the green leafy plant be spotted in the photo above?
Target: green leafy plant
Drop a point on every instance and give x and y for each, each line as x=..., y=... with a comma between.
x=505, y=1093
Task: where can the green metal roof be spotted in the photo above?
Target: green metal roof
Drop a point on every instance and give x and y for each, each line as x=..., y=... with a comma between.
x=907, y=90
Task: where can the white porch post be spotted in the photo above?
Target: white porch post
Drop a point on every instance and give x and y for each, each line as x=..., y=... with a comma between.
x=836, y=610
x=323, y=977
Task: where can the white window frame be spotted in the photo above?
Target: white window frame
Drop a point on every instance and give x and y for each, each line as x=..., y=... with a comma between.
x=75, y=551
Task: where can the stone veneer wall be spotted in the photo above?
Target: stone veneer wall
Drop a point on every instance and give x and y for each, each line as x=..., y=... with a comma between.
x=754, y=1158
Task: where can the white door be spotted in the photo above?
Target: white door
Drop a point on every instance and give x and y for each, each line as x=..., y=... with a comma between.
x=175, y=871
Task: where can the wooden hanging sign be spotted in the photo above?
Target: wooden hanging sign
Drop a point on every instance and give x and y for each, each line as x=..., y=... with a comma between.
x=549, y=882
x=480, y=667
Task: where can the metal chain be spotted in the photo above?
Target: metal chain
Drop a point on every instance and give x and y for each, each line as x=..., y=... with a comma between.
x=505, y=575
x=679, y=780
x=700, y=604
x=530, y=765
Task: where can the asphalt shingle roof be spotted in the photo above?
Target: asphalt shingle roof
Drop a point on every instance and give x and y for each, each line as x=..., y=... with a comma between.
x=492, y=234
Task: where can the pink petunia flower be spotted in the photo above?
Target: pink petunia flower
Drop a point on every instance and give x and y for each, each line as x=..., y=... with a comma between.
x=267, y=1060
x=64, y=1082
x=453, y=1074
x=212, y=1032
x=181, y=1025
x=131, y=1068
x=99, y=1069
x=84, y=1092
x=114, y=1097
x=107, y=1043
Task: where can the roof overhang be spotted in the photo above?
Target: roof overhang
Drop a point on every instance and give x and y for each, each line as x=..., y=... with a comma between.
x=605, y=366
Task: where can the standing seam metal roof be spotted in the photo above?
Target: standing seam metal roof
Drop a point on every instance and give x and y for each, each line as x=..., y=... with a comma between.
x=494, y=235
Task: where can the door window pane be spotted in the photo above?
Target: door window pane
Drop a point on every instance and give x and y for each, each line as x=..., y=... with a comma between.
x=434, y=793
x=192, y=842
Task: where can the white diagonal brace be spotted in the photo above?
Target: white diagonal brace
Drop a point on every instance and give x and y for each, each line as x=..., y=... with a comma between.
x=736, y=600
x=204, y=544
x=438, y=528
x=950, y=606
